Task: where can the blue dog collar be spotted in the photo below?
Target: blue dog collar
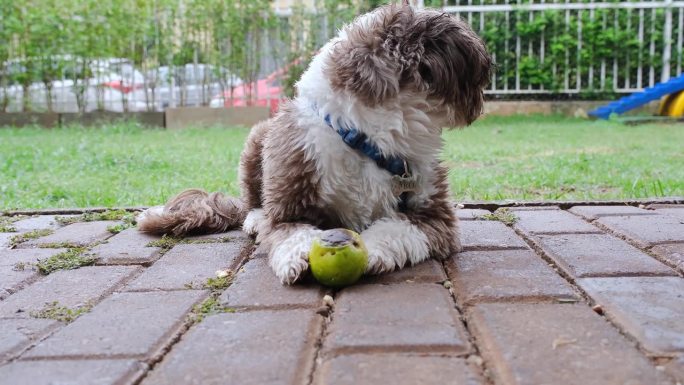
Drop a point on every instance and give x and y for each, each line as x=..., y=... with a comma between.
x=360, y=142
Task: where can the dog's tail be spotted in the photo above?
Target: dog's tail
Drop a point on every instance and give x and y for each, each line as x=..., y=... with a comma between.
x=194, y=211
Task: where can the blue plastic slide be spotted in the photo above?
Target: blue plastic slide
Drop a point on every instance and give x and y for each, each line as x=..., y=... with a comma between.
x=638, y=99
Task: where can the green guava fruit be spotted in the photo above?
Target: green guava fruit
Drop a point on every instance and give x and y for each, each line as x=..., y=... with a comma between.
x=338, y=258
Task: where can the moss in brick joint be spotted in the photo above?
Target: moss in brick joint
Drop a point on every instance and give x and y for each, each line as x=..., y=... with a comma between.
x=165, y=242
x=7, y=221
x=67, y=260
x=109, y=215
x=59, y=245
x=206, y=240
x=211, y=305
x=116, y=229
x=215, y=285
x=60, y=313
x=502, y=215
x=21, y=238
x=218, y=283
x=6, y=228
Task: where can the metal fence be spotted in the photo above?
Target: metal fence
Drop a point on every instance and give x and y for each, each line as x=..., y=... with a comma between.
x=583, y=48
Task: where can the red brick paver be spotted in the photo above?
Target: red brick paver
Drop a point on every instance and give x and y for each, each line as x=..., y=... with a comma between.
x=260, y=348
x=646, y=230
x=70, y=288
x=489, y=235
x=17, y=334
x=587, y=255
x=504, y=275
x=673, y=210
x=672, y=254
x=90, y=372
x=545, y=221
x=188, y=265
x=125, y=324
x=471, y=214
x=16, y=267
x=257, y=287
x=232, y=236
x=429, y=271
x=587, y=295
x=397, y=369
x=649, y=308
x=6, y=240
x=594, y=212
x=127, y=247
x=418, y=317
x=557, y=344
x=37, y=223
x=77, y=234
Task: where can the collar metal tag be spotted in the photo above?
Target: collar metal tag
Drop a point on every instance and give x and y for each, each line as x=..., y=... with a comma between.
x=405, y=183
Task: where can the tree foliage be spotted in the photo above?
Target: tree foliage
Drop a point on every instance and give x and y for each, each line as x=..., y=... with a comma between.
x=597, y=52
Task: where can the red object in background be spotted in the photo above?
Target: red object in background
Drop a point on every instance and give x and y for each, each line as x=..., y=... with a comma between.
x=264, y=92
x=121, y=86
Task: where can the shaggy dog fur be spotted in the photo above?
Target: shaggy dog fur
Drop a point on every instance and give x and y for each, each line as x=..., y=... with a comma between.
x=398, y=75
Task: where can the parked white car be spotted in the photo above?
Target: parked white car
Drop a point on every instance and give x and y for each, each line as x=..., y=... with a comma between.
x=113, y=84
x=188, y=85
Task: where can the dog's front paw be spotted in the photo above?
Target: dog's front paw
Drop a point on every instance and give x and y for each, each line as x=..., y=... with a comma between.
x=379, y=262
x=290, y=259
x=252, y=222
x=289, y=265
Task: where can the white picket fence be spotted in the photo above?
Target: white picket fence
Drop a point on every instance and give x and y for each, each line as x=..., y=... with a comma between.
x=604, y=75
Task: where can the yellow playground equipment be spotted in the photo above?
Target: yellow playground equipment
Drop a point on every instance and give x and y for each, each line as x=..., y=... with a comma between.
x=672, y=105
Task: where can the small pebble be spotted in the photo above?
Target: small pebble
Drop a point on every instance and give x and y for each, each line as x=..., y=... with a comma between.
x=447, y=284
x=328, y=300
x=598, y=309
x=474, y=360
x=222, y=273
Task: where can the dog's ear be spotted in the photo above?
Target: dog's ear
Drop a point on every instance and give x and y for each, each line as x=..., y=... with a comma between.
x=454, y=66
x=370, y=60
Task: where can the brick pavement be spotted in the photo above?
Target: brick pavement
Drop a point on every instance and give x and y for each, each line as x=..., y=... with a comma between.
x=583, y=294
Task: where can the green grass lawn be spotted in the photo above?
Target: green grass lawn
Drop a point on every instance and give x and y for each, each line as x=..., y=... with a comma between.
x=529, y=158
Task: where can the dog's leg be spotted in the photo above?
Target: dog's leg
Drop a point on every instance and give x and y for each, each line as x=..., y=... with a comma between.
x=289, y=245
x=392, y=243
x=250, y=176
x=437, y=218
x=423, y=231
x=250, y=171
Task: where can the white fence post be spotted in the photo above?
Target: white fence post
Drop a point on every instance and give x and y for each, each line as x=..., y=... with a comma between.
x=667, y=42
x=629, y=68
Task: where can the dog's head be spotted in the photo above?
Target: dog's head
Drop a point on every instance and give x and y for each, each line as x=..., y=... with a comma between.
x=399, y=49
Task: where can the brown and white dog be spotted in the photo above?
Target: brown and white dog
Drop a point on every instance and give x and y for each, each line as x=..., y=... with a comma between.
x=393, y=78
